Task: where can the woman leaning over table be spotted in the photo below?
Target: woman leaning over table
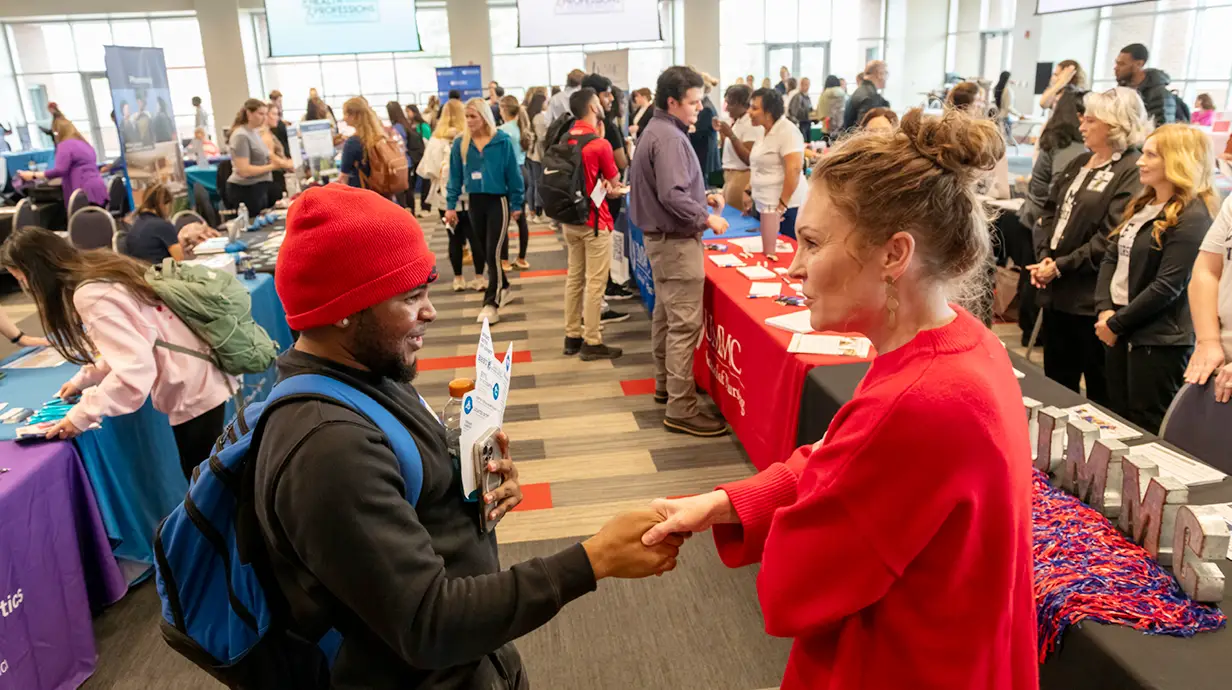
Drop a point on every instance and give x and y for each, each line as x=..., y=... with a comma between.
x=99, y=311
x=1087, y=203
x=1143, y=311
x=76, y=162
x=896, y=551
x=777, y=162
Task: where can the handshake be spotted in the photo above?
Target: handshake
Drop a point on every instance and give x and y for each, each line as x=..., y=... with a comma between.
x=646, y=542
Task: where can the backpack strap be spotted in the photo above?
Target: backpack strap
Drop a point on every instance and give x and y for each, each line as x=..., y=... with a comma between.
x=236, y=393
x=582, y=141
x=410, y=463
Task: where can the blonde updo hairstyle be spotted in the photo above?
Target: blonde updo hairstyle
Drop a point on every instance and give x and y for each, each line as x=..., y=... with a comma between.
x=920, y=178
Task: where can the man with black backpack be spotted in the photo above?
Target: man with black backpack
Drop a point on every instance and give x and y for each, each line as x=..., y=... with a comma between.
x=576, y=171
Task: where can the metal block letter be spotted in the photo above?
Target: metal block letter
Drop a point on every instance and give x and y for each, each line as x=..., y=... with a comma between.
x=1201, y=537
x=1032, y=407
x=1080, y=438
x=1149, y=505
x=1099, y=479
x=1050, y=446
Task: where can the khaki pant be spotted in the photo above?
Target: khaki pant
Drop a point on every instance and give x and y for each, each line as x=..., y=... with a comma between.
x=734, y=184
x=679, y=283
x=590, y=259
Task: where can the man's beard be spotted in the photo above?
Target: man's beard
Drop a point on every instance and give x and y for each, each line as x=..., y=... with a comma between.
x=378, y=351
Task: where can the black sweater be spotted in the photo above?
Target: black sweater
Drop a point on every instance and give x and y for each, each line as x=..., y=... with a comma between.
x=1158, y=309
x=417, y=591
x=1096, y=213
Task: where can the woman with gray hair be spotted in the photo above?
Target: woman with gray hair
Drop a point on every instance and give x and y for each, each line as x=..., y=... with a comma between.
x=1086, y=205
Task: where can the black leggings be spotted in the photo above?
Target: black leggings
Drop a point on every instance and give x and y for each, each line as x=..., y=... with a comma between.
x=195, y=438
x=458, y=237
x=489, y=224
x=523, y=239
x=253, y=196
x=1072, y=353
x=1143, y=380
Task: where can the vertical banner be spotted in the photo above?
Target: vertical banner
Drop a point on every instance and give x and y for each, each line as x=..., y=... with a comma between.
x=613, y=64
x=317, y=137
x=466, y=80
x=142, y=102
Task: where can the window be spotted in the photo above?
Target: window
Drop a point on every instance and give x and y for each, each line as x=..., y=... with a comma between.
x=518, y=69
x=1185, y=39
x=406, y=77
x=979, y=41
x=62, y=61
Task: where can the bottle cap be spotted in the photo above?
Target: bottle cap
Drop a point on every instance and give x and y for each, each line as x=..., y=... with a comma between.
x=460, y=387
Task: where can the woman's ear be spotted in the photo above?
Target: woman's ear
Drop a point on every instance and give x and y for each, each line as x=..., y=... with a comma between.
x=899, y=250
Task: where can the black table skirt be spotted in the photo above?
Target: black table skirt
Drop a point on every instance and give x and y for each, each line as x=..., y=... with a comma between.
x=1092, y=656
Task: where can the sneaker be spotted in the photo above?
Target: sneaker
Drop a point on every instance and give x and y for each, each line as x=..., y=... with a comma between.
x=701, y=425
x=617, y=293
x=572, y=345
x=591, y=353
x=459, y=283
x=506, y=266
x=506, y=296
x=521, y=264
x=490, y=313
x=479, y=284
x=660, y=397
x=610, y=316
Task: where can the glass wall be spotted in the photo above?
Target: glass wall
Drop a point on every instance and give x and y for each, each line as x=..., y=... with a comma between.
x=812, y=38
x=61, y=62
x=380, y=77
x=1185, y=39
x=979, y=41
x=517, y=69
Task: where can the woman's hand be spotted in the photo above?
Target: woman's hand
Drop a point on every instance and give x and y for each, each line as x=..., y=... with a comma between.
x=27, y=175
x=67, y=391
x=1105, y=334
x=451, y=218
x=515, y=215
x=688, y=515
x=33, y=341
x=508, y=495
x=617, y=550
x=1207, y=358
x=64, y=430
x=1223, y=384
x=1043, y=273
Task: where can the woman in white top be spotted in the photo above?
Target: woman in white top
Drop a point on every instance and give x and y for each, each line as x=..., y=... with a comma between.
x=1143, y=313
x=1210, y=303
x=737, y=139
x=777, y=162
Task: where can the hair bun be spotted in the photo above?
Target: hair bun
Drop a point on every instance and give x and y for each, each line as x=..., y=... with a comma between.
x=955, y=141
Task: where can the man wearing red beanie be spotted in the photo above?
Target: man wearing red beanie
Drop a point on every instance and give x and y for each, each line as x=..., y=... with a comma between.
x=416, y=590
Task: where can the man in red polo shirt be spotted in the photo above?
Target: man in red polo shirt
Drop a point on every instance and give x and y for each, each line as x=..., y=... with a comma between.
x=590, y=245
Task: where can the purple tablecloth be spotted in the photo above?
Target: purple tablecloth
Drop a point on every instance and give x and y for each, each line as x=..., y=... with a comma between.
x=55, y=566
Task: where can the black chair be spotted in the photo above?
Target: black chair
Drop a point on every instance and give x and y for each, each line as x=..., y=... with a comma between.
x=224, y=172
x=117, y=197
x=205, y=207
x=24, y=215
x=77, y=201
x=92, y=228
x=183, y=218
x=119, y=243
x=1199, y=425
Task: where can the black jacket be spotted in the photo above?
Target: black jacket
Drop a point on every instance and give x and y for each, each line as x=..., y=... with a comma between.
x=417, y=591
x=280, y=133
x=863, y=100
x=1096, y=213
x=705, y=140
x=1158, y=309
x=1159, y=102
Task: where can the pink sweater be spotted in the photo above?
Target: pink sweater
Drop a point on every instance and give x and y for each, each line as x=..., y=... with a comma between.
x=129, y=367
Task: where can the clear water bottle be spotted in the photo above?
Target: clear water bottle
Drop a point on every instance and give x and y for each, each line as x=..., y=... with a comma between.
x=241, y=217
x=451, y=417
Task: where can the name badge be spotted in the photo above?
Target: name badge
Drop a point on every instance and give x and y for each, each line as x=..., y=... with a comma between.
x=1100, y=180
x=477, y=175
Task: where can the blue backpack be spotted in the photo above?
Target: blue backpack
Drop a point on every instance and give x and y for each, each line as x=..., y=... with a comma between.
x=211, y=564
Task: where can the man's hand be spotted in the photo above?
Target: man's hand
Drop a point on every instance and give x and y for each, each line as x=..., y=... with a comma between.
x=508, y=495
x=688, y=515
x=1207, y=358
x=1223, y=384
x=717, y=223
x=716, y=202
x=1105, y=334
x=617, y=550
x=63, y=429
x=451, y=218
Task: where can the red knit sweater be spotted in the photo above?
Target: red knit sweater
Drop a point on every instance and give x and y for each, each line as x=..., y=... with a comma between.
x=897, y=552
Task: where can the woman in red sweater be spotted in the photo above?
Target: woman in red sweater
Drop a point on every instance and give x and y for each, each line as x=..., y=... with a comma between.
x=896, y=551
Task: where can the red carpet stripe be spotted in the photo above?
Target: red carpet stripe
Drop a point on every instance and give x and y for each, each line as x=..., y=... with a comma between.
x=541, y=233
x=637, y=386
x=460, y=361
x=543, y=274
x=535, y=497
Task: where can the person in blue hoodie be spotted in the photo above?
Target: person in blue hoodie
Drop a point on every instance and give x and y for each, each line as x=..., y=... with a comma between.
x=484, y=159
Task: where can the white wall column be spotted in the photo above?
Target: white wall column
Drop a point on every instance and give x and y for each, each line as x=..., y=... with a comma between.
x=915, y=50
x=701, y=35
x=219, y=23
x=1026, y=37
x=470, y=36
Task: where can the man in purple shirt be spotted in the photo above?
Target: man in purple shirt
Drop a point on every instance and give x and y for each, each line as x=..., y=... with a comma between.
x=669, y=203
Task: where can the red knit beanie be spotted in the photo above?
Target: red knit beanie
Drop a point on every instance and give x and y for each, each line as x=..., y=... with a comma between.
x=347, y=249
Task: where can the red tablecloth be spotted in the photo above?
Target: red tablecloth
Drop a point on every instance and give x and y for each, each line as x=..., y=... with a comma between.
x=744, y=364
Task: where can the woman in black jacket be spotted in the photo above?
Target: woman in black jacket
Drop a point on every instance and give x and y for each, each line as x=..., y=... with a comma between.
x=1141, y=294
x=1086, y=205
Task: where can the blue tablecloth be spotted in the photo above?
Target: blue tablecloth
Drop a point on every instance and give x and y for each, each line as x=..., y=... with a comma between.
x=21, y=160
x=739, y=225
x=132, y=460
x=204, y=175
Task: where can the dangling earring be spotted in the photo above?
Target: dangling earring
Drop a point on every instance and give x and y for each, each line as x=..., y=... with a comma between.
x=891, y=301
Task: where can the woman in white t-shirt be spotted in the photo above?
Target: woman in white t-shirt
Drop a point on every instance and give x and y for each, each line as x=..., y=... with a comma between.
x=1142, y=311
x=777, y=162
x=738, y=138
x=1210, y=303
